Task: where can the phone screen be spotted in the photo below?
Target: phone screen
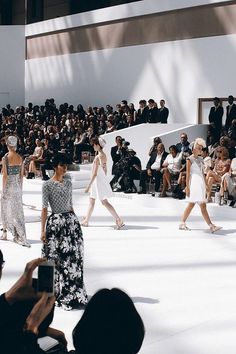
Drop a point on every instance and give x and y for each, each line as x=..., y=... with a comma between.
x=46, y=278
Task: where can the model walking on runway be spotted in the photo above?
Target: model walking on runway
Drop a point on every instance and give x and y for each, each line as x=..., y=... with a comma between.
x=11, y=202
x=99, y=186
x=196, y=186
x=62, y=237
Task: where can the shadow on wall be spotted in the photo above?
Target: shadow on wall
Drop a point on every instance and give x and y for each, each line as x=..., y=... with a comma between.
x=179, y=71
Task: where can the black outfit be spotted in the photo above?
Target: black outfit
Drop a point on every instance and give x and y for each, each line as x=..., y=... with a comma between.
x=153, y=115
x=215, y=116
x=116, y=156
x=132, y=174
x=13, y=339
x=47, y=157
x=230, y=115
x=156, y=174
x=142, y=115
x=163, y=114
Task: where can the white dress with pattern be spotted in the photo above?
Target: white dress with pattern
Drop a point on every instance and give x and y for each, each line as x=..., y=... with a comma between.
x=197, y=184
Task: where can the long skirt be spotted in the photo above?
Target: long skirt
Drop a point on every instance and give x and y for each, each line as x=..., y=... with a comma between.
x=66, y=249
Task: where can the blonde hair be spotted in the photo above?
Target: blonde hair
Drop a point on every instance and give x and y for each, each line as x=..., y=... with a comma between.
x=199, y=141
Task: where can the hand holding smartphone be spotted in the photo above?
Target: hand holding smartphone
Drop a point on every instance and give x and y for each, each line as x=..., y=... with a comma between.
x=46, y=272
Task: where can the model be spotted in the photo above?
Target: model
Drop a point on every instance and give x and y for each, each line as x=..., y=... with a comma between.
x=196, y=186
x=62, y=238
x=99, y=186
x=11, y=202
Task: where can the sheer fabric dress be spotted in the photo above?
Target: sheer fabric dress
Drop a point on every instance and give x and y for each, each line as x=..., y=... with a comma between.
x=12, y=212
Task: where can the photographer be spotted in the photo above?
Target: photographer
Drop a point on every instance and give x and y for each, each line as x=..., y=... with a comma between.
x=133, y=171
x=120, y=167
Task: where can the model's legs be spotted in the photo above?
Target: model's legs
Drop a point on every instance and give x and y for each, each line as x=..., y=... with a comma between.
x=89, y=212
x=206, y=217
x=205, y=213
x=187, y=212
x=113, y=212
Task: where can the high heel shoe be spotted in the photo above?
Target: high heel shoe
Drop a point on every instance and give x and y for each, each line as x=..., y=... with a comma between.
x=183, y=226
x=119, y=224
x=214, y=228
x=4, y=235
x=84, y=222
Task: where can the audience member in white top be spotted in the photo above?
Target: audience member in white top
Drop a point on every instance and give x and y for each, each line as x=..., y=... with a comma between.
x=172, y=167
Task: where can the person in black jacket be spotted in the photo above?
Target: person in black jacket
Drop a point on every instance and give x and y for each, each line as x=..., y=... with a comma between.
x=153, y=113
x=230, y=112
x=116, y=152
x=142, y=113
x=163, y=112
x=153, y=168
x=216, y=115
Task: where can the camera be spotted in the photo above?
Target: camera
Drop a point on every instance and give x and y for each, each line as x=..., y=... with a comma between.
x=45, y=283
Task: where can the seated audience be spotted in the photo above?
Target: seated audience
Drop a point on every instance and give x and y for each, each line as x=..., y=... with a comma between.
x=207, y=161
x=172, y=166
x=153, y=168
x=228, y=184
x=37, y=156
x=183, y=146
x=221, y=166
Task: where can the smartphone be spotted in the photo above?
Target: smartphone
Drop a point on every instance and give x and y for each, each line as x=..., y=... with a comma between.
x=46, y=272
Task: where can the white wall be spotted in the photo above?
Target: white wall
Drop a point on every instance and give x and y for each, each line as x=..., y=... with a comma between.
x=12, y=64
x=179, y=71
x=113, y=13
x=141, y=138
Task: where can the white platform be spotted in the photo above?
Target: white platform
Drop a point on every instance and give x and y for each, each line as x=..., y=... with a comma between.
x=183, y=283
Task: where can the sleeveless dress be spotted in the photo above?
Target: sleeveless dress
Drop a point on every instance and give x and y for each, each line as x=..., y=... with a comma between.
x=197, y=184
x=100, y=188
x=13, y=218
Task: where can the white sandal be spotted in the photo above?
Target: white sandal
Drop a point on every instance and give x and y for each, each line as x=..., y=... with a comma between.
x=214, y=228
x=183, y=226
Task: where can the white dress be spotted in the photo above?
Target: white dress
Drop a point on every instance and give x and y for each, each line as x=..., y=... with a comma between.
x=100, y=188
x=197, y=184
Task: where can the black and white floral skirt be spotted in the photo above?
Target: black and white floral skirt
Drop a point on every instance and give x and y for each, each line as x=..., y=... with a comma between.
x=65, y=248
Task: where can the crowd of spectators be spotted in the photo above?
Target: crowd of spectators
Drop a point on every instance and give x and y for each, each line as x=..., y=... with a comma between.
x=44, y=130
x=165, y=172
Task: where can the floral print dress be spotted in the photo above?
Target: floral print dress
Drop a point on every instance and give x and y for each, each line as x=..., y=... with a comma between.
x=64, y=244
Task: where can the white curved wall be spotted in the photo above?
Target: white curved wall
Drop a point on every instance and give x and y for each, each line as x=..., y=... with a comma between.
x=12, y=64
x=179, y=71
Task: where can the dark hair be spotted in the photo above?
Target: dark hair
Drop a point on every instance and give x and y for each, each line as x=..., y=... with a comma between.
x=151, y=101
x=59, y=159
x=173, y=147
x=110, y=325
x=124, y=102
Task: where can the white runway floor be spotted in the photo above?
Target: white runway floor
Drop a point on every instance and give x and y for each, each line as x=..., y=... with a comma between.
x=183, y=283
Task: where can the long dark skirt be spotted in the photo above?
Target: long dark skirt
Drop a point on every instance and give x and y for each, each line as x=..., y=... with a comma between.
x=65, y=248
